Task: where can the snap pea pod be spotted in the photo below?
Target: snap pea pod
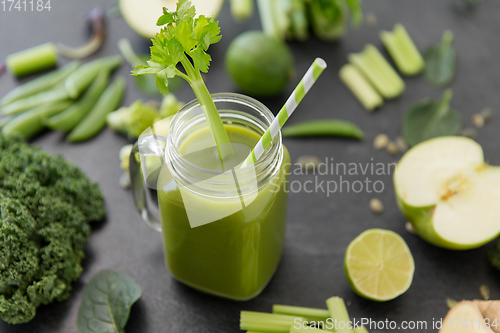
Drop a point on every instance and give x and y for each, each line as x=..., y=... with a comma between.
x=324, y=127
x=67, y=120
x=5, y=119
x=80, y=79
x=95, y=121
x=57, y=94
x=30, y=122
x=42, y=83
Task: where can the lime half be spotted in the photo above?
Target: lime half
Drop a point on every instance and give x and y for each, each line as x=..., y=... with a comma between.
x=379, y=265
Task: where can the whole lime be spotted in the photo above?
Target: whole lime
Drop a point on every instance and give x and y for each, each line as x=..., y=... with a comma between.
x=260, y=65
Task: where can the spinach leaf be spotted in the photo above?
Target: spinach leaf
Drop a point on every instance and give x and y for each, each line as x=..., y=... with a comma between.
x=431, y=118
x=106, y=303
x=440, y=61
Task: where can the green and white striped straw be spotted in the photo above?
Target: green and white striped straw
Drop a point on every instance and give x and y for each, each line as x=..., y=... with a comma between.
x=286, y=111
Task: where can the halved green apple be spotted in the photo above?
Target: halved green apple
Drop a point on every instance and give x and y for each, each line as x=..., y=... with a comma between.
x=141, y=15
x=449, y=194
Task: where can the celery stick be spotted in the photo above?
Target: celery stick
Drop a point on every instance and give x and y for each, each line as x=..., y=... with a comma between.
x=308, y=313
x=402, y=50
x=263, y=327
x=365, y=93
x=338, y=311
x=306, y=330
x=273, y=17
x=32, y=60
x=267, y=322
x=378, y=71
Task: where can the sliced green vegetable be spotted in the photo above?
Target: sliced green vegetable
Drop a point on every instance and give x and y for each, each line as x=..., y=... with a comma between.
x=402, y=50
x=431, y=118
x=329, y=18
x=44, y=82
x=133, y=120
x=31, y=122
x=267, y=322
x=274, y=18
x=299, y=311
x=170, y=106
x=80, y=79
x=306, y=330
x=32, y=60
x=241, y=9
x=338, y=310
x=69, y=119
x=323, y=127
x=299, y=22
x=59, y=93
x=378, y=71
x=106, y=303
x=440, y=61
x=184, y=36
x=360, y=87
x=95, y=121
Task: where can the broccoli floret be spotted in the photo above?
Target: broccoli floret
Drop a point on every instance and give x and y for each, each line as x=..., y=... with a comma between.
x=494, y=256
x=133, y=120
x=170, y=106
x=46, y=205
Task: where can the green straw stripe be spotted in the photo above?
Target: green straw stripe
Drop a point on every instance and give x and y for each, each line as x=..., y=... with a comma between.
x=317, y=70
x=282, y=116
x=267, y=139
x=300, y=92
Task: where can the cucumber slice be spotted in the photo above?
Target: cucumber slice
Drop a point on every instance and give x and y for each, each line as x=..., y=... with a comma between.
x=142, y=15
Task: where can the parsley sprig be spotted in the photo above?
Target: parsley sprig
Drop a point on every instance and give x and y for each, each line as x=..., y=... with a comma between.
x=184, y=41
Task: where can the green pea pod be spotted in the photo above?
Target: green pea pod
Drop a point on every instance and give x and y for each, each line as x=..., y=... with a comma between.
x=57, y=94
x=42, y=83
x=324, y=127
x=95, y=121
x=30, y=122
x=69, y=119
x=80, y=79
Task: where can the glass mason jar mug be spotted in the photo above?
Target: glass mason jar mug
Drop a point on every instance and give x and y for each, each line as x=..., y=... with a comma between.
x=223, y=226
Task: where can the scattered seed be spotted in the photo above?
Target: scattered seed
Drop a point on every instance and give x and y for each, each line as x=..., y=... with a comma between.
x=487, y=114
x=401, y=144
x=469, y=132
x=370, y=19
x=478, y=120
x=451, y=302
x=392, y=148
x=376, y=206
x=484, y=290
x=348, y=303
x=410, y=228
x=309, y=162
x=381, y=141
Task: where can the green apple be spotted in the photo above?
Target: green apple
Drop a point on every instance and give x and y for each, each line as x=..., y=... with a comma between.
x=141, y=15
x=449, y=194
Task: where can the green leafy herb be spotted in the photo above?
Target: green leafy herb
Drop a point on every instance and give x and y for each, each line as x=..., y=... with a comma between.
x=147, y=84
x=440, y=61
x=430, y=118
x=328, y=18
x=46, y=206
x=185, y=40
x=106, y=303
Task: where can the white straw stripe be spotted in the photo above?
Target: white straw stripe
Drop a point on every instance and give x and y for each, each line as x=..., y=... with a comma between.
x=275, y=128
x=308, y=80
x=259, y=150
x=291, y=104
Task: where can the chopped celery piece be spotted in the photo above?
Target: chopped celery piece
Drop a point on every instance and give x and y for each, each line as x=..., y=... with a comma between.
x=241, y=9
x=365, y=93
x=308, y=313
x=378, y=71
x=267, y=322
x=32, y=60
x=338, y=311
x=402, y=50
x=306, y=330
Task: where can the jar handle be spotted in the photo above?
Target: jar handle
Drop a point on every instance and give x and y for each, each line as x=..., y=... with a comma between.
x=145, y=163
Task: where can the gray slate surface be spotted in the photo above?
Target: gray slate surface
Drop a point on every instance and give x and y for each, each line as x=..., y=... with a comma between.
x=319, y=228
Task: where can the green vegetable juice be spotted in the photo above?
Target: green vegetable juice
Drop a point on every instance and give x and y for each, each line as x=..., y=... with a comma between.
x=236, y=255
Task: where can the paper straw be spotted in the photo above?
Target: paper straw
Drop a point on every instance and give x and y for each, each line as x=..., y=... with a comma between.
x=286, y=111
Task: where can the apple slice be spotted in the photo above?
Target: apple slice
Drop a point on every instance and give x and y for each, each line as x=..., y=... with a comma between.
x=473, y=317
x=449, y=194
x=141, y=15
